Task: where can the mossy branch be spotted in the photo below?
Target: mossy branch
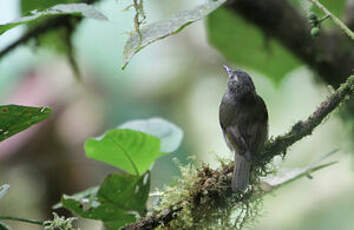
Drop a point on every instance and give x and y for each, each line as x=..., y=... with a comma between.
x=304, y=128
x=211, y=190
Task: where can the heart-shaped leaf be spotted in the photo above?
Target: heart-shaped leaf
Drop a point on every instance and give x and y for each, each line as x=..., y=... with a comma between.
x=129, y=150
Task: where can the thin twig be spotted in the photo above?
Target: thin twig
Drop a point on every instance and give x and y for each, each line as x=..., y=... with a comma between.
x=277, y=146
x=26, y=220
x=336, y=20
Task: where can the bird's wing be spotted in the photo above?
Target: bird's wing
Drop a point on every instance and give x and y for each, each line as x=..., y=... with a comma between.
x=257, y=130
x=236, y=141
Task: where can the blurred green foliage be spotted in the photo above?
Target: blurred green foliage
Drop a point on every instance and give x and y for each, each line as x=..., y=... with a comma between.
x=245, y=45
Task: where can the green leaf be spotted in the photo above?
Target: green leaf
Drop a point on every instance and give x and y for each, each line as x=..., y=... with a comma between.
x=169, y=134
x=126, y=149
x=104, y=211
x=86, y=194
x=120, y=199
x=80, y=9
x=16, y=118
x=29, y=5
x=126, y=191
x=159, y=30
x=244, y=45
x=4, y=226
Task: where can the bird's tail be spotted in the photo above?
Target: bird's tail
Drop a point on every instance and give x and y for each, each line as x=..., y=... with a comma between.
x=240, y=176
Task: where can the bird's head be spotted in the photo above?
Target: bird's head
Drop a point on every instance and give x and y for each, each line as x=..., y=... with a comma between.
x=239, y=81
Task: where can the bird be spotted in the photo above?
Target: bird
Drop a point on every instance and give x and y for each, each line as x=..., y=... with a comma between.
x=243, y=118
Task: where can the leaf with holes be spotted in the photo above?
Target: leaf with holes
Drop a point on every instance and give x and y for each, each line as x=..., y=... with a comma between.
x=129, y=150
x=159, y=30
x=120, y=199
x=16, y=118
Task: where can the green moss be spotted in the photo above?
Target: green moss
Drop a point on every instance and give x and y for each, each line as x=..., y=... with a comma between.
x=207, y=200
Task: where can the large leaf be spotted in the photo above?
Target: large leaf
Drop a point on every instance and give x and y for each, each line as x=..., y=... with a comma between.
x=169, y=134
x=3, y=189
x=159, y=30
x=130, y=150
x=120, y=199
x=244, y=45
x=80, y=9
x=15, y=118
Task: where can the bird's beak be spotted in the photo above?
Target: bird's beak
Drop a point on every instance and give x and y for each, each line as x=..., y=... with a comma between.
x=228, y=70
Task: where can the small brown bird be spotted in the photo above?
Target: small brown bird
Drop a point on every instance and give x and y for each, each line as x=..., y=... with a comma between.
x=244, y=122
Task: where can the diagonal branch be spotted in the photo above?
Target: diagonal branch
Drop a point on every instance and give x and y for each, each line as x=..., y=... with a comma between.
x=330, y=54
x=349, y=15
x=219, y=189
x=336, y=20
